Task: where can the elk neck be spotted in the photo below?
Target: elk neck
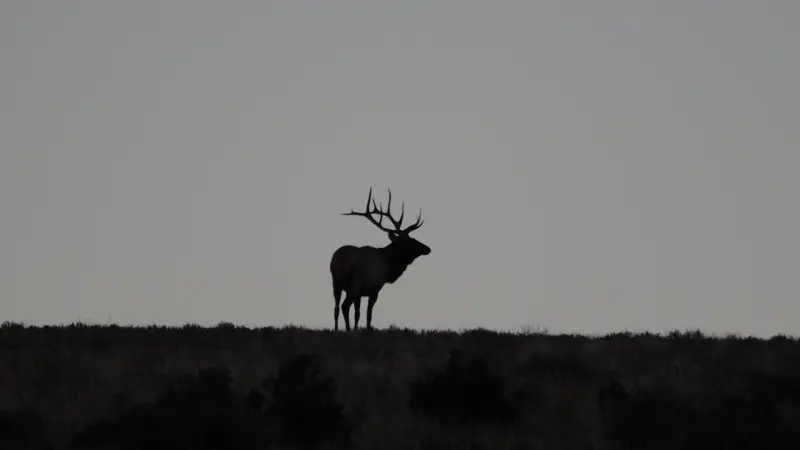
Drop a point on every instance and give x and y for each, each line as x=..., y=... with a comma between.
x=398, y=261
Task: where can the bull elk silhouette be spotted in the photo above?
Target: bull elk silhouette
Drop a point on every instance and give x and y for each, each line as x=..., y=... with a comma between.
x=363, y=271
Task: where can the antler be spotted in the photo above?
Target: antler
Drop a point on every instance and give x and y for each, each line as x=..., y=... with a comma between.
x=388, y=213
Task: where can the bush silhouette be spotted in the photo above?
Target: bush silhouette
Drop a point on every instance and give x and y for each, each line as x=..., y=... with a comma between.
x=23, y=429
x=763, y=415
x=202, y=412
x=462, y=393
x=644, y=418
x=301, y=405
x=194, y=411
x=564, y=368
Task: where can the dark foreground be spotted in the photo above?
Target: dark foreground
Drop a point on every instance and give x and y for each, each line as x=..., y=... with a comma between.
x=237, y=388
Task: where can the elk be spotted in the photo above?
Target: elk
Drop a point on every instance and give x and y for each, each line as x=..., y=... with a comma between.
x=363, y=271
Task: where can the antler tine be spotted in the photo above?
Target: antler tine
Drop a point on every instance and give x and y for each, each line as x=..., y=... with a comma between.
x=397, y=223
x=389, y=208
x=388, y=213
x=402, y=214
x=368, y=213
x=375, y=209
x=416, y=224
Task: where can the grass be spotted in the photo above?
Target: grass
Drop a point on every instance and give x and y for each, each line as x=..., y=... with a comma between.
x=560, y=385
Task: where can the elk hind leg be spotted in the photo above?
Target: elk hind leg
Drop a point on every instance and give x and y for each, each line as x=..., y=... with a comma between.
x=348, y=300
x=337, y=297
x=357, y=312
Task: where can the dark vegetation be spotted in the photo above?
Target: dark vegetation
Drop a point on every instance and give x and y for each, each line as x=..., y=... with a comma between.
x=109, y=387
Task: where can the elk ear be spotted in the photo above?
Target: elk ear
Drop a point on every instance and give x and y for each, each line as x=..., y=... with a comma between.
x=392, y=236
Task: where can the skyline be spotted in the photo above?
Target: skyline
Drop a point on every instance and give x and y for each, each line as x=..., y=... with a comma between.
x=581, y=168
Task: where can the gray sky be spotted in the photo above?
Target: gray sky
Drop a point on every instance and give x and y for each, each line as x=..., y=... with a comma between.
x=581, y=166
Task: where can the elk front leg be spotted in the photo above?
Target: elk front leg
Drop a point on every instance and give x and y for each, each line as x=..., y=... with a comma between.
x=372, y=300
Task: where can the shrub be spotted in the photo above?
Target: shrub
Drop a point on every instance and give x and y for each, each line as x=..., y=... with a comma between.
x=462, y=393
x=301, y=405
x=644, y=418
x=194, y=411
x=23, y=429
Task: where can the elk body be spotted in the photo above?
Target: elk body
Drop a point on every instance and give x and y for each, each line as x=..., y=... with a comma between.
x=363, y=271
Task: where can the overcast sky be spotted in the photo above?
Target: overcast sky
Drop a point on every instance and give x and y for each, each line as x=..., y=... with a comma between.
x=582, y=167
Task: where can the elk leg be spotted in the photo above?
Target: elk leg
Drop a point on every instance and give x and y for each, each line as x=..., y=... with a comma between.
x=337, y=296
x=348, y=300
x=357, y=313
x=372, y=300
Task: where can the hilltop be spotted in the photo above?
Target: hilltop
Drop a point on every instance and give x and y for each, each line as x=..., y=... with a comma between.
x=81, y=386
